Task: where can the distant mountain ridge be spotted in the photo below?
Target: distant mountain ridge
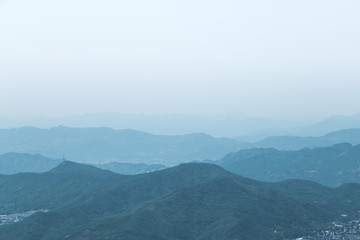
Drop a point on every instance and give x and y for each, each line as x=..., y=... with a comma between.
x=190, y=201
x=330, y=166
x=11, y=163
x=228, y=125
x=131, y=168
x=239, y=126
x=331, y=124
x=294, y=142
x=102, y=145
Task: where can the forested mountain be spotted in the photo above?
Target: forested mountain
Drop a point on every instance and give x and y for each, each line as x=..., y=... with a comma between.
x=94, y=145
x=191, y=201
x=330, y=166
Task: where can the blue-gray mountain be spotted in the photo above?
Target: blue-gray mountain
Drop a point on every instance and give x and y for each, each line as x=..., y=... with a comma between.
x=330, y=166
x=191, y=201
x=95, y=145
x=331, y=124
x=12, y=163
x=131, y=168
x=102, y=145
x=230, y=125
x=294, y=142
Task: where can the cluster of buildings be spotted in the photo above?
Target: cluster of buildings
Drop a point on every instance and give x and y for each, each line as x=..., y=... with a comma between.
x=338, y=231
x=17, y=217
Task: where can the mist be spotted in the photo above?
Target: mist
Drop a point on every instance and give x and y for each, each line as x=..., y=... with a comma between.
x=278, y=59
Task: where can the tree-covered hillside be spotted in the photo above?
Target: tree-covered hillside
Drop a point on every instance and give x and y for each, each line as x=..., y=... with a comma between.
x=330, y=166
x=191, y=201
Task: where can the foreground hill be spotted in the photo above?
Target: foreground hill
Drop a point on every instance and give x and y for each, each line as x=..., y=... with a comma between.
x=330, y=166
x=11, y=163
x=191, y=201
x=294, y=142
x=92, y=145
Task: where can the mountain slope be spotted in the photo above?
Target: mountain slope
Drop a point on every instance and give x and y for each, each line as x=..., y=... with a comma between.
x=330, y=166
x=191, y=201
x=67, y=183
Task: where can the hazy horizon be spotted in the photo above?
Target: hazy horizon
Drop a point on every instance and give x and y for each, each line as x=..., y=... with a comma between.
x=263, y=59
x=239, y=126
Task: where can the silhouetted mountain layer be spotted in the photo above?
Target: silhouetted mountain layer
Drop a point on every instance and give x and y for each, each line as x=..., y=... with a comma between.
x=131, y=168
x=191, y=201
x=228, y=125
x=94, y=145
x=294, y=143
x=330, y=166
x=331, y=124
x=11, y=163
x=104, y=145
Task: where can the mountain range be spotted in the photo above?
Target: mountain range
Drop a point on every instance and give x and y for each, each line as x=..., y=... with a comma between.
x=227, y=125
x=331, y=124
x=330, y=166
x=12, y=163
x=130, y=168
x=103, y=145
x=190, y=201
x=295, y=142
x=244, y=128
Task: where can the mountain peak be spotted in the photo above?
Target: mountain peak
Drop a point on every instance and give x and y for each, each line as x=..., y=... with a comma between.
x=196, y=168
x=192, y=173
x=71, y=167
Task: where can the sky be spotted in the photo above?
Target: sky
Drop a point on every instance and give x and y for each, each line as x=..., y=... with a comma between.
x=273, y=59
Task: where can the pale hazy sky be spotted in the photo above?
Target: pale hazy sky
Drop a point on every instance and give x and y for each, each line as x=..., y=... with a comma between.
x=262, y=58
